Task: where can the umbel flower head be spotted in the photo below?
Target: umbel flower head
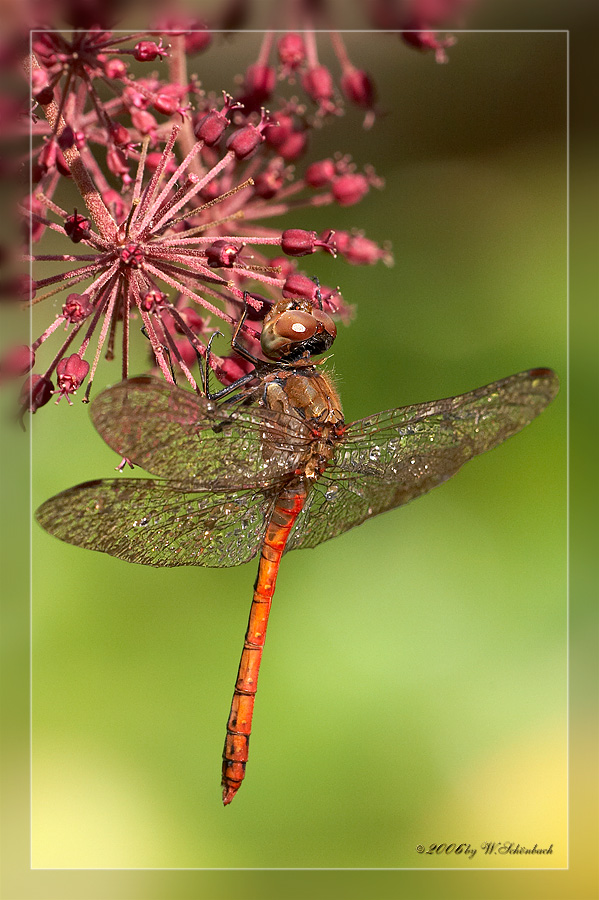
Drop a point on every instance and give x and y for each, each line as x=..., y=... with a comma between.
x=183, y=239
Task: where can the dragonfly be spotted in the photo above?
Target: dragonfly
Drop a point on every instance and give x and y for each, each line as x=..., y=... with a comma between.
x=267, y=465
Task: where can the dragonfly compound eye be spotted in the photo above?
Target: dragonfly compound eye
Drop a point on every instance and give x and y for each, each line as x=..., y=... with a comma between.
x=286, y=331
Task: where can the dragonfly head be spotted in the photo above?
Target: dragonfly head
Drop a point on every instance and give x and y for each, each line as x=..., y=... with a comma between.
x=293, y=328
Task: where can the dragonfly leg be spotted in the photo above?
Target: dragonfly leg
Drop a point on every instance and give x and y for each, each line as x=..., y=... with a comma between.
x=234, y=340
x=205, y=372
x=316, y=281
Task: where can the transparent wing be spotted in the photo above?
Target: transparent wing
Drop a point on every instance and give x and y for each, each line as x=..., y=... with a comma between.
x=195, y=442
x=155, y=524
x=388, y=459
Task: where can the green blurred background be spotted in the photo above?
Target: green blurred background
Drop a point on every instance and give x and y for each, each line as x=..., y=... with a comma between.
x=441, y=717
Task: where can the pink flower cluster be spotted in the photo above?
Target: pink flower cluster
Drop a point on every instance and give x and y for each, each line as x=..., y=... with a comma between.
x=186, y=200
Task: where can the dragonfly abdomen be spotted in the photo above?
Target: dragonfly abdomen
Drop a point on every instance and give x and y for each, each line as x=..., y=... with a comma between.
x=288, y=506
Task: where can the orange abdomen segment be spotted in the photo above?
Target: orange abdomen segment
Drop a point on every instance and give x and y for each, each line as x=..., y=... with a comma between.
x=235, y=754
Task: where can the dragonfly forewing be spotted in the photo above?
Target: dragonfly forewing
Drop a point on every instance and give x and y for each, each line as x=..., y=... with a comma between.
x=390, y=458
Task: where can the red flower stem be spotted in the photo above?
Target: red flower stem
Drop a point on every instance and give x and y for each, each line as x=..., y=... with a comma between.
x=114, y=293
x=311, y=50
x=64, y=257
x=265, y=48
x=91, y=197
x=210, y=203
x=125, y=360
x=140, y=171
x=155, y=179
x=179, y=286
x=76, y=274
x=156, y=345
x=50, y=330
x=282, y=208
x=99, y=310
x=201, y=228
x=177, y=70
x=214, y=171
x=340, y=50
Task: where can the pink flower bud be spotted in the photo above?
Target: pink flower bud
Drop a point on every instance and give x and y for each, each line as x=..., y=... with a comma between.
x=153, y=159
x=36, y=392
x=132, y=255
x=47, y=156
x=186, y=351
x=114, y=201
x=42, y=91
x=350, y=188
x=144, y=121
x=285, y=266
x=299, y=287
x=245, y=141
x=167, y=104
x=294, y=146
x=39, y=80
x=291, y=50
x=320, y=173
x=147, y=51
x=357, y=86
x=77, y=308
x=361, y=251
x=152, y=300
x=268, y=183
x=197, y=40
x=210, y=127
x=17, y=361
x=25, y=287
x=134, y=99
x=297, y=242
x=279, y=128
x=192, y=319
x=119, y=134
x=115, y=68
x=231, y=368
x=259, y=82
x=342, y=241
x=77, y=227
x=222, y=254
x=70, y=373
x=117, y=161
x=318, y=84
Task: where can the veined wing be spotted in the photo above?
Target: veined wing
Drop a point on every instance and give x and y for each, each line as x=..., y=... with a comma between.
x=195, y=442
x=151, y=522
x=388, y=459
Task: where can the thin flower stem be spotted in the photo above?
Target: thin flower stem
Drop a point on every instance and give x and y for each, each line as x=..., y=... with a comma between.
x=265, y=48
x=177, y=354
x=178, y=285
x=91, y=197
x=105, y=325
x=177, y=69
x=340, y=50
x=50, y=330
x=155, y=179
